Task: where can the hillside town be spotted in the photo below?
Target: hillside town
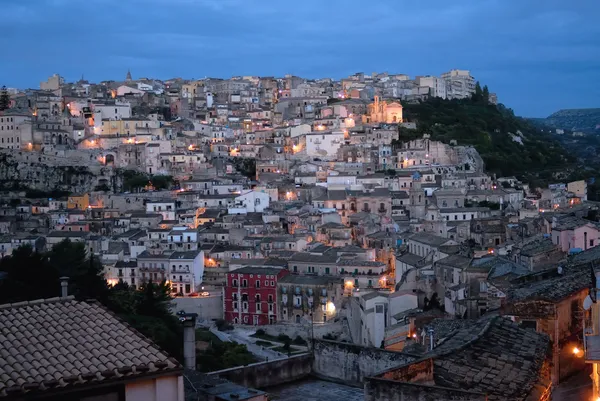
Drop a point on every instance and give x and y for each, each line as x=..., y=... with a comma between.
x=296, y=208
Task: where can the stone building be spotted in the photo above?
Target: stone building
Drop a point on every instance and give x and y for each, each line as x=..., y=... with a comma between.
x=383, y=112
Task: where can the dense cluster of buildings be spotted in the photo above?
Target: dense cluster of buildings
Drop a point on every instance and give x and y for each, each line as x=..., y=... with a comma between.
x=298, y=205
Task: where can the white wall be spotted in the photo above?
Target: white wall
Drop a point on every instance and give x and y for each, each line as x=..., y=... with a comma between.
x=159, y=389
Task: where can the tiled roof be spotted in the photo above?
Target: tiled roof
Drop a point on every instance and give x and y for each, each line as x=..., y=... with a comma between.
x=60, y=343
x=550, y=286
x=495, y=357
x=491, y=356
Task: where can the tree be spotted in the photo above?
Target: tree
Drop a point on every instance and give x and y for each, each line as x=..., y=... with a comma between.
x=478, y=95
x=30, y=275
x=486, y=94
x=4, y=99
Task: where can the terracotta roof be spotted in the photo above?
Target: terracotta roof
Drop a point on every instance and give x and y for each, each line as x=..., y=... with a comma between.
x=60, y=343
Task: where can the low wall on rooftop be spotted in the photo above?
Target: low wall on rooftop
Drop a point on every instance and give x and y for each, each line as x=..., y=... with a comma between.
x=350, y=364
x=268, y=374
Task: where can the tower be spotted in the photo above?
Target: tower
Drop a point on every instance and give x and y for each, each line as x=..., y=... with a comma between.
x=416, y=196
x=128, y=78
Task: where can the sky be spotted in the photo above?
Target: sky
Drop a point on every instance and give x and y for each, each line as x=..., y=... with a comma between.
x=539, y=56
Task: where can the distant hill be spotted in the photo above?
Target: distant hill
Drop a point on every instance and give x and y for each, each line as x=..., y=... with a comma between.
x=585, y=120
x=509, y=145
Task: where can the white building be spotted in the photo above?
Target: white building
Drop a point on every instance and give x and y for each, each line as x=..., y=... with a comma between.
x=376, y=314
x=325, y=144
x=253, y=201
x=15, y=131
x=129, y=90
x=437, y=85
x=166, y=208
x=459, y=84
x=186, y=270
x=116, y=111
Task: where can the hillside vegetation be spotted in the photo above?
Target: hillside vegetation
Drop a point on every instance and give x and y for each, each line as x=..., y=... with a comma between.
x=585, y=120
x=509, y=145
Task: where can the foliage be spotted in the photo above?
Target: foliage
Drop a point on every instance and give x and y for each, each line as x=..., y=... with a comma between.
x=260, y=332
x=207, y=336
x=4, y=99
x=223, y=355
x=133, y=181
x=488, y=127
x=246, y=167
x=491, y=205
x=35, y=275
x=299, y=341
x=102, y=187
x=284, y=338
x=263, y=343
x=433, y=303
x=223, y=325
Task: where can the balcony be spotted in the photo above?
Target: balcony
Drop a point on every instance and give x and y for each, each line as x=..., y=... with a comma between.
x=366, y=209
x=382, y=210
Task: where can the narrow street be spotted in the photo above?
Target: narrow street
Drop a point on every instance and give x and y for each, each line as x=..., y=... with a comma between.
x=576, y=388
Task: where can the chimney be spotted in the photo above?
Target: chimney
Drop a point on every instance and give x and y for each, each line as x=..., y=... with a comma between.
x=64, y=287
x=188, y=320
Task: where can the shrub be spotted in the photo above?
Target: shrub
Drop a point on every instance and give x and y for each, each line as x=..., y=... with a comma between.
x=284, y=338
x=299, y=341
x=260, y=332
x=223, y=325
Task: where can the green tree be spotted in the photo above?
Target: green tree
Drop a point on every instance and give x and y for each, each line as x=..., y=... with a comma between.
x=486, y=94
x=154, y=299
x=4, y=99
x=478, y=95
x=27, y=276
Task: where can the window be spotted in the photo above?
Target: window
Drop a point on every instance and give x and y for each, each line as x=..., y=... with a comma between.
x=235, y=283
x=266, y=283
x=257, y=283
x=591, y=242
x=235, y=306
x=272, y=284
x=257, y=297
x=270, y=298
x=295, y=269
x=244, y=283
x=327, y=270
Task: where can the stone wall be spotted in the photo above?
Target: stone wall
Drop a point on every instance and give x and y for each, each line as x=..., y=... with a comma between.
x=387, y=390
x=350, y=364
x=207, y=308
x=337, y=329
x=29, y=170
x=268, y=374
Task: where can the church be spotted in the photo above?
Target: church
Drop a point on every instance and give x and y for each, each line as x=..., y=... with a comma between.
x=383, y=112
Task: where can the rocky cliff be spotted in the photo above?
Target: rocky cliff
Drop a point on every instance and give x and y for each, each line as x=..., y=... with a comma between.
x=27, y=170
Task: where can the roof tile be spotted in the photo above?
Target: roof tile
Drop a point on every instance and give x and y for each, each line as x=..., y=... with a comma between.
x=63, y=342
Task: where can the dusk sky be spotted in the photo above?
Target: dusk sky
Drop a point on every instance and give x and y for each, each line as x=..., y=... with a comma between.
x=538, y=55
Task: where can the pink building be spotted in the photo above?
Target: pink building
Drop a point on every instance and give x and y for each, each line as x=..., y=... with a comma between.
x=574, y=233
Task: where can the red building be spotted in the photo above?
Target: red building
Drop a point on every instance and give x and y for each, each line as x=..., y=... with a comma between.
x=251, y=295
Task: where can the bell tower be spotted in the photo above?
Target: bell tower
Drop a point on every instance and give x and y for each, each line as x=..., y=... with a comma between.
x=416, y=196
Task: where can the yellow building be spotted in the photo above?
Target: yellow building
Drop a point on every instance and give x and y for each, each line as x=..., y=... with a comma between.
x=80, y=202
x=127, y=126
x=383, y=112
